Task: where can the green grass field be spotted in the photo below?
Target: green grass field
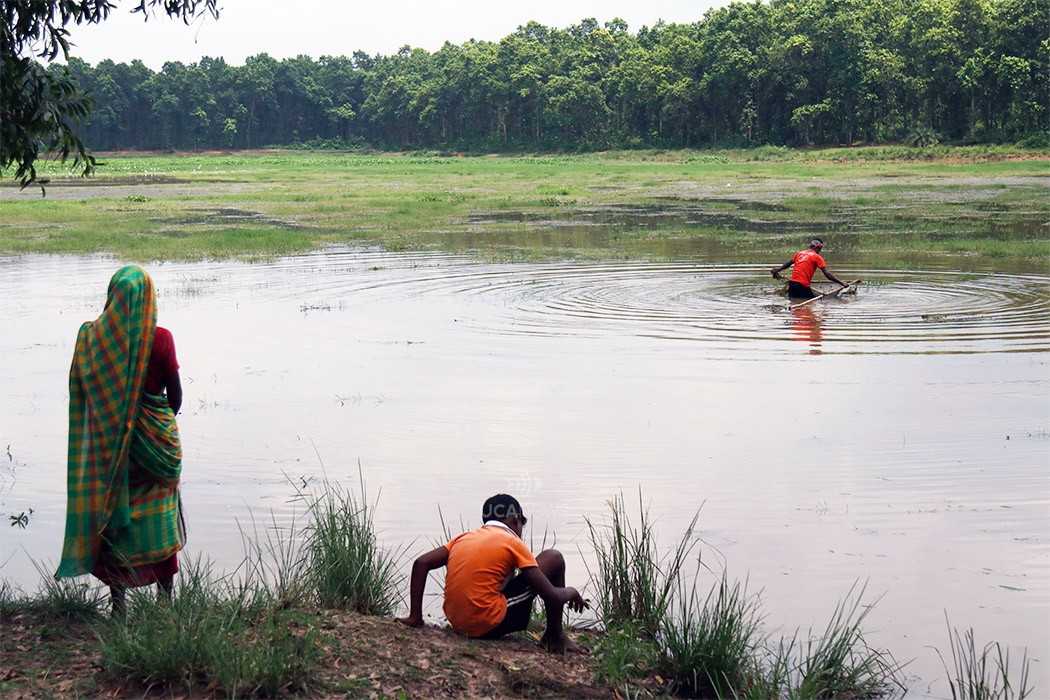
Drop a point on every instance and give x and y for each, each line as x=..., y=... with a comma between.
x=966, y=208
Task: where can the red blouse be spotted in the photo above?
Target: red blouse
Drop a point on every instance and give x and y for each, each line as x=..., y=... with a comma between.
x=162, y=362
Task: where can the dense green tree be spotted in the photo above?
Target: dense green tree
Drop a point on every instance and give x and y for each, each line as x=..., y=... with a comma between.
x=793, y=72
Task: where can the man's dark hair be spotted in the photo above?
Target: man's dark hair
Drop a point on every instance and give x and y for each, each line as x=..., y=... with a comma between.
x=500, y=507
x=817, y=240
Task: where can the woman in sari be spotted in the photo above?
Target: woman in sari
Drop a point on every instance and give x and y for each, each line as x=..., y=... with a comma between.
x=123, y=515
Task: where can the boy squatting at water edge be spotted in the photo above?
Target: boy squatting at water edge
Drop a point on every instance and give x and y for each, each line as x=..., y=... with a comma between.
x=483, y=597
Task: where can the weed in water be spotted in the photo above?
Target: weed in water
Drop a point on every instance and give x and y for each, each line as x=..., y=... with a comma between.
x=708, y=647
x=985, y=673
x=633, y=583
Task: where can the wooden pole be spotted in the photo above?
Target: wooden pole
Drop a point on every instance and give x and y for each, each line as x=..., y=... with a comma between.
x=825, y=294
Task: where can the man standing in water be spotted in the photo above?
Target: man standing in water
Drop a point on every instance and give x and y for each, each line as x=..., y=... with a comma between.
x=806, y=263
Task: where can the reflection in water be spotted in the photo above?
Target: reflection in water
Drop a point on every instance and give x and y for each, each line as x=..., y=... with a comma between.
x=806, y=324
x=567, y=383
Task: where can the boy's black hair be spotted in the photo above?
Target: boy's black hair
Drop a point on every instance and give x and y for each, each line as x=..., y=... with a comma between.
x=818, y=240
x=500, y=507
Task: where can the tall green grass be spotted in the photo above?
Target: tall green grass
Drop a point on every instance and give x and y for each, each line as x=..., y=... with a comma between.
x=275, y=564
x=708, y=645
x=211, y=631
x=624, y=653
x=984, y=673
x=633, y=582
x=345, y=566
x=246, y=633
x=8, y=600
x=839, y=662
x=712, y=644
x=68, y=599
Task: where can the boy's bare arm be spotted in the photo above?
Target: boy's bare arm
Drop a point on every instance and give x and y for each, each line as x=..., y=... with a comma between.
x=550, y=593
x=421, y=568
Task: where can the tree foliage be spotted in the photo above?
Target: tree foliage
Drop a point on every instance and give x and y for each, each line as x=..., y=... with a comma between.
x=41, y=109
x=786, y=72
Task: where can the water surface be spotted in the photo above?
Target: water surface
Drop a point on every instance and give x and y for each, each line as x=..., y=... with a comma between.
x=900, y=437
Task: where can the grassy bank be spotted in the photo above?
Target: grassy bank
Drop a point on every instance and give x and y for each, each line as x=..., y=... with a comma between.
x=964, y=207
x=308, y=613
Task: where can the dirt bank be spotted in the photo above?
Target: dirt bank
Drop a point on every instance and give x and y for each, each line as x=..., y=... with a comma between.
x=363, y=657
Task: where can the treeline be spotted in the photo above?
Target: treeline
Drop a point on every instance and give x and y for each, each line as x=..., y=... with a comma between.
x=791, y=72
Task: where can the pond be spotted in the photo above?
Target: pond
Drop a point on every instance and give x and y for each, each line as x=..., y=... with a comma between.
x=900, y=437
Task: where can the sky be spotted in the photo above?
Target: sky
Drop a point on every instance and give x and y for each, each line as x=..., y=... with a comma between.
x=339, y=27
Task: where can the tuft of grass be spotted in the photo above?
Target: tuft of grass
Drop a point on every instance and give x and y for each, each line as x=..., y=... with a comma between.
x=708, y=648
x=274, y=568
x=622, y=654
x=839, y=662
x=345, y=566
x=210, y=632
x=713, y=645
x=985, y=673
x=68, y=599
x=634, y=583
x=8, y=600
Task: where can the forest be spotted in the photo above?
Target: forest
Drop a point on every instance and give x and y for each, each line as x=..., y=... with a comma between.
x=784, y=72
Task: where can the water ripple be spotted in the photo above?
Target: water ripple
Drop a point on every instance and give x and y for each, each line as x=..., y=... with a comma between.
x=894, y=312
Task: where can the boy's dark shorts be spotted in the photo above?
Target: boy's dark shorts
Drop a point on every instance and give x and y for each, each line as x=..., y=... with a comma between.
x=519, y=609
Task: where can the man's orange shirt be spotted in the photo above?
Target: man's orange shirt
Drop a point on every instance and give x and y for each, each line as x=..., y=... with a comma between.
x=479, y=563
x=806, y=263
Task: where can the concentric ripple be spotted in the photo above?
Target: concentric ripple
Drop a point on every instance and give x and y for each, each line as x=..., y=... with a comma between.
x=735, y=308
x=738, y=306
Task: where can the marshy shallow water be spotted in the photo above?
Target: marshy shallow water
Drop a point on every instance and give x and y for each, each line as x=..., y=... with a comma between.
x=902, y=436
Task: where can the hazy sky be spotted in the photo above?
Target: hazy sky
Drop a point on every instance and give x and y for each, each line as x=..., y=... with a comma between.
x=334, y=27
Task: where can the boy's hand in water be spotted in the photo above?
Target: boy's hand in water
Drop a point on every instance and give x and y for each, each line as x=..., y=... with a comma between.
x=411, y=621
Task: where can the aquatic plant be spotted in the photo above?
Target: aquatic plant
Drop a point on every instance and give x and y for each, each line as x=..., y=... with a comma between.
x=985, y=673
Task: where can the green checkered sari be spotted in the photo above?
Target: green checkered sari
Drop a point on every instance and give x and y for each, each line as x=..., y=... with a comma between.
x=124, y=455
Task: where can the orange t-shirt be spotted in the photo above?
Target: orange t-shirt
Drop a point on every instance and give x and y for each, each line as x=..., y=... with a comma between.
x=479, y=563
x=806, y=263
